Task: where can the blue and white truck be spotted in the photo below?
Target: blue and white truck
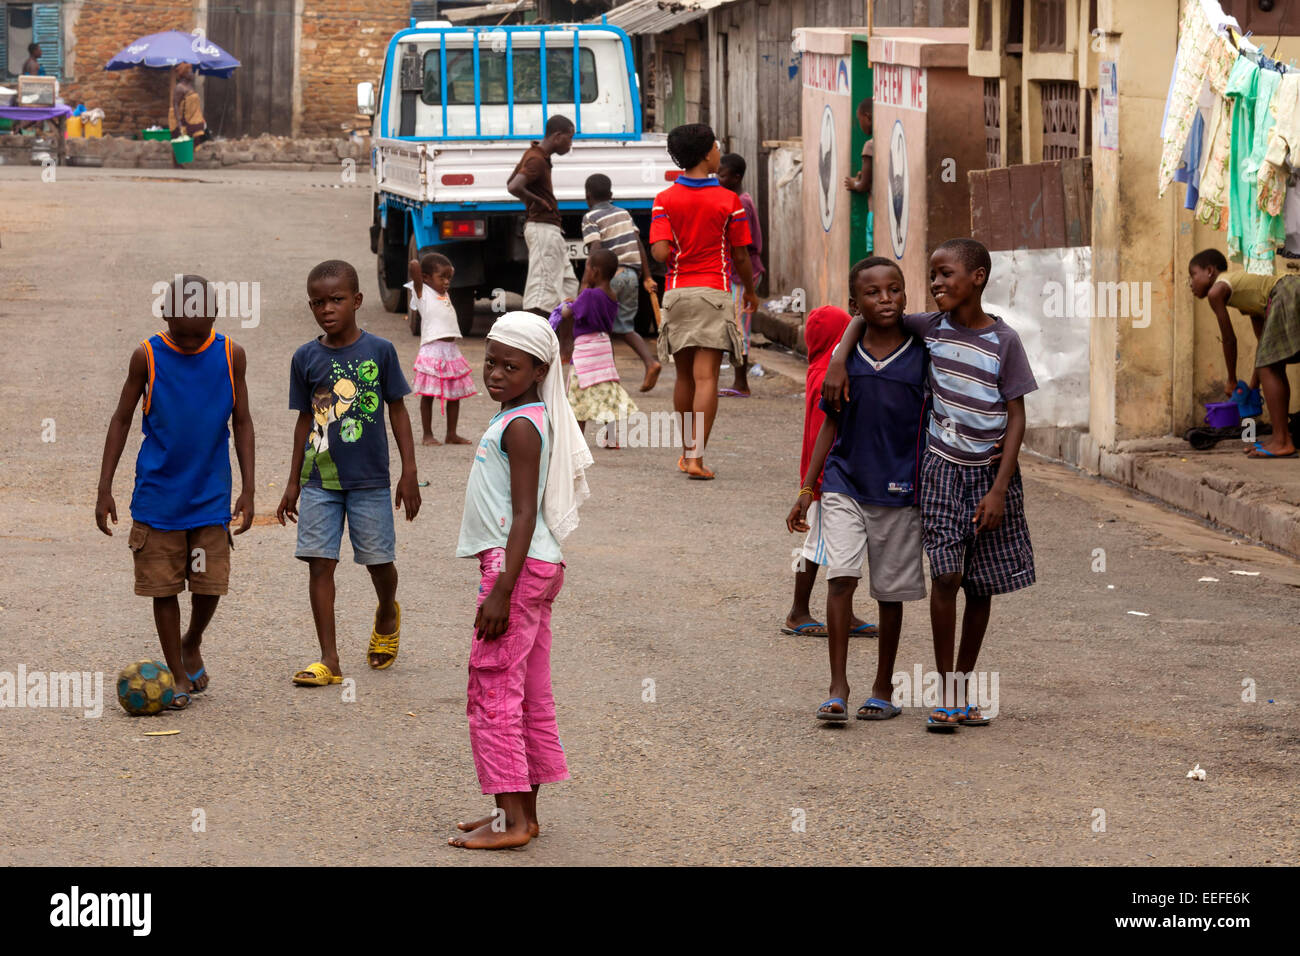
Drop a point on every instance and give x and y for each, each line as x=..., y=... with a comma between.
x=454, y=111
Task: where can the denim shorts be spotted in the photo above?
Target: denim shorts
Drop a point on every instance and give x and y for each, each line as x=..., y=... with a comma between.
x=369, y=513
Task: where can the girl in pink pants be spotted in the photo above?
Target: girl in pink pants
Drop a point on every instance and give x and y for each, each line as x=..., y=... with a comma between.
x=521, y=500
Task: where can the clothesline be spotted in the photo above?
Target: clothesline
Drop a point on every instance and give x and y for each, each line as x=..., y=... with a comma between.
x=1230, y=133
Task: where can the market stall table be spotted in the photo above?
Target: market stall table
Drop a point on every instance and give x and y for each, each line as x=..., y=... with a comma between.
x=35, y=114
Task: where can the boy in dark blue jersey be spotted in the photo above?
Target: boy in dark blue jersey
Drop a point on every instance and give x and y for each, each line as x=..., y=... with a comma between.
x=871, y=452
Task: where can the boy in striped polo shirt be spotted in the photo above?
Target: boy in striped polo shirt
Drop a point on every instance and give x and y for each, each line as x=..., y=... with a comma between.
x=607, y=226
x=972, y=500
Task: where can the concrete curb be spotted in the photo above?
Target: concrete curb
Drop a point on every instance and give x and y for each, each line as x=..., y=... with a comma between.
x=783, y=328
x=1250, y=508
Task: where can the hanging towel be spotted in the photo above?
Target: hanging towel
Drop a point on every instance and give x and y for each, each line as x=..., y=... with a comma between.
x=1202, y=54
x=1283, y=140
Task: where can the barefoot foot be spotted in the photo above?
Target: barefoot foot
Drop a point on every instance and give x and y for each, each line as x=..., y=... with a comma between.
x=485, y=838
x=454, y=439
x=429, y=440
x=534, y=828
x=651, y=376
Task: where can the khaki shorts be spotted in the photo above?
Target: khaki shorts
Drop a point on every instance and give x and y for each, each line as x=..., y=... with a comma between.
x=889, y=538
x=166, y=560
x=551, y=278
x=697, y=317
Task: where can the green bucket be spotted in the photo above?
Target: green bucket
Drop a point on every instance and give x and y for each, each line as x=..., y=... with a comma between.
x=183, y=149
x=162, y=134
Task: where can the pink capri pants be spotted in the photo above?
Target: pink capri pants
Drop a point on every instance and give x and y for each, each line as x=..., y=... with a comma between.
x=511, y=709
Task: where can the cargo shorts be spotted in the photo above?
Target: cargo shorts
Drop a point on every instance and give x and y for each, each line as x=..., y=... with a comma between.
x=165, y=561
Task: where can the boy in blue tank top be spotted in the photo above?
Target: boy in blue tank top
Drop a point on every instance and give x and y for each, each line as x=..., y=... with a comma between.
x=339, y=384
x=192, y=382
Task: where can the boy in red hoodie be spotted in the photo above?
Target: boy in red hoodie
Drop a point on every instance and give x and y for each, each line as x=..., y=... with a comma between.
x=822, y=332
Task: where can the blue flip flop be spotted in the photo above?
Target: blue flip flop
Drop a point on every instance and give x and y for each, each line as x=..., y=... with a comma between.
x=803, y=629
x=193, y=677
x=884, y=709
x=943, y=726
x=840, y=718
x=966, y=720
x=1265, y=453
x=863, y=628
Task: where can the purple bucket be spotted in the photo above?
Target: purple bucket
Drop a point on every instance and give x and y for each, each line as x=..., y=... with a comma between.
x=1222, y=415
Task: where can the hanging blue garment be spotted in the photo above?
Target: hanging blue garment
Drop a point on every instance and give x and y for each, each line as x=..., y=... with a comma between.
x=1189, y=167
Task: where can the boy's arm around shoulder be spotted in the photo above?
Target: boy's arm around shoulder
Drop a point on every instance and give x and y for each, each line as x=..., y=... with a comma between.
x=245, y=445
x=835, y=385
x=137, y=380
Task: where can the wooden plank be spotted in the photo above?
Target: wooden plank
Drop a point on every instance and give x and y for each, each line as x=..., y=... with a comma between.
x=1053, y=206
x=1086, y=176
x=1000, y=208
x=1026, y=207
x=980, y=214
x=1076, y=206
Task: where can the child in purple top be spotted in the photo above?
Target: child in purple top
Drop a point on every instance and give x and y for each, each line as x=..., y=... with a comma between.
x=731, y=172
x=594, y=389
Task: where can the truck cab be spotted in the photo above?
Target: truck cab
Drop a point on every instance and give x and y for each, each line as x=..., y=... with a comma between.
x=455, y=109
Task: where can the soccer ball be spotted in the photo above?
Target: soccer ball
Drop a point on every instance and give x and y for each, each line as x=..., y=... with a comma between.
x=145, y=688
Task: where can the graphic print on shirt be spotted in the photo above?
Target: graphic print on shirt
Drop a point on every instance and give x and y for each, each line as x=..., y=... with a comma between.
x=348, y=406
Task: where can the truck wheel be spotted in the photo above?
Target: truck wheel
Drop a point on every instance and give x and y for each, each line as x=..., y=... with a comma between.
x=462, y=300
x=391, y=293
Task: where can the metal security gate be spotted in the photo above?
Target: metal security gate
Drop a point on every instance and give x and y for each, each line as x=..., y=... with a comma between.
x=258, y=97
x=1060, y=120
x=992, y=124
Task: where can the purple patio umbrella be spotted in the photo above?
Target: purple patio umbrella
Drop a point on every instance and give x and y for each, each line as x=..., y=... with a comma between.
x=161, y=51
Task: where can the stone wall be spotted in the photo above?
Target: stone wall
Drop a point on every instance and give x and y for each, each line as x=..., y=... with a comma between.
x=93, y=33
x=342, y=44
x=274, y=151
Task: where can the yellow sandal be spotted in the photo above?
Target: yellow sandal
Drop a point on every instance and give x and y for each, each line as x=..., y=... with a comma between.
x=321, y=676
x=385, y=643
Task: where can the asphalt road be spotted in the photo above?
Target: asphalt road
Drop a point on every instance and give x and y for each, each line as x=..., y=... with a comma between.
x=684, y=584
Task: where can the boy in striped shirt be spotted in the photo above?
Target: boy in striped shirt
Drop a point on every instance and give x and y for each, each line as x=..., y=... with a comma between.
x=972, y=500
x=606, y=226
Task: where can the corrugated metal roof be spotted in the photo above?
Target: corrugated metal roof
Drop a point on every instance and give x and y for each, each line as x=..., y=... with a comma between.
x=659, y=16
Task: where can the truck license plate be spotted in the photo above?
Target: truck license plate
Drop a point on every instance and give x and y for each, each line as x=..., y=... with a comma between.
x=576, y=250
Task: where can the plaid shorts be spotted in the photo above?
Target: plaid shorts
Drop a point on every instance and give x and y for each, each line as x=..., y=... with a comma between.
x=992, y=562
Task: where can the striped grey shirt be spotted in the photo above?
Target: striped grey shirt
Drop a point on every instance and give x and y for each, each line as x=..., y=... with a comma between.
x=615, y=230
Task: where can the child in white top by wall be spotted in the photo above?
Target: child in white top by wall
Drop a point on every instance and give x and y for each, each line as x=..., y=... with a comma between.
x=441, y=372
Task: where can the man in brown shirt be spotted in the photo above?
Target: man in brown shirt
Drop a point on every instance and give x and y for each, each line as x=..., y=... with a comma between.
x=551, y=278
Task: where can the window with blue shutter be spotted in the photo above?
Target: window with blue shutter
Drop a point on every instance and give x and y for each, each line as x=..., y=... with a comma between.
x=47, y=31
x=45, y=21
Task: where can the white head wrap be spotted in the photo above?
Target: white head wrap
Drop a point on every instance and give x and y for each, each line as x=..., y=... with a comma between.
x=566, y=485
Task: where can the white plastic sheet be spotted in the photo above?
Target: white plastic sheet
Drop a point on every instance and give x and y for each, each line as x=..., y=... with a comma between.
x=1018, y=290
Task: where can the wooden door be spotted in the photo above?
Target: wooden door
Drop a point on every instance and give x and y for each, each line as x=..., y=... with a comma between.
x=674, y=90
x=258, y=97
